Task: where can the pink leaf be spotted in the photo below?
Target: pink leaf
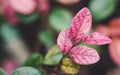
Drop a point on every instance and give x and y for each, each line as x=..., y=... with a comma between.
x=64, y=42
x=43, y=5
x=102, y=29
x=114, y=50
x=80, y=25
x=23, y=6
x=68, y=2
x=9, y=66
x=10, y=14
x=98, y=39
x=84, y=55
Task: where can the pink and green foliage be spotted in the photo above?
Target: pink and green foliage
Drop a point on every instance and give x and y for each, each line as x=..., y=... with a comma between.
x=113, y=30
x=24, y=7
x=69, y=39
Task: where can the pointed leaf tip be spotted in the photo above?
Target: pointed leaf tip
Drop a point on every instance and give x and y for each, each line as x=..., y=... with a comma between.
x=98, y=39
x=84, y=55
x=80, y=25
x=64, y=42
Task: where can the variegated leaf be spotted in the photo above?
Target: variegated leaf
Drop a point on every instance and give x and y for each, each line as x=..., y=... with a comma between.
x=80, y=25
x=98, y=39
x=64, y=42
x=84, y=55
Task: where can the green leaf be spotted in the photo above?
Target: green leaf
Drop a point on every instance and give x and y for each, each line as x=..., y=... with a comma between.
x=26, y=71
x=69, y=66
x=60, y=19
x=96, y=47
x=46, y=37
x=8, y=32
x=2, y=72
x=28, y=18
x=53, y=56
x=34, y=60
x=101, y=9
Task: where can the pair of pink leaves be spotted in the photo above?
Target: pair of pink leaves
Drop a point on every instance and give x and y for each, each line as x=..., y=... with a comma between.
x=79, y=28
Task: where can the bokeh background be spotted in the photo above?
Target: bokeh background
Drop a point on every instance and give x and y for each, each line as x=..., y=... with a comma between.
x=31, y=27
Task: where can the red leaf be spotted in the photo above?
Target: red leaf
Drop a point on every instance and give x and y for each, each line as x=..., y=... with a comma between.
x=84, y=55
x=80, y=25
x=98, y=39
x=102, y=29
x=64, y=42
x=10, y=14
x=114, y=50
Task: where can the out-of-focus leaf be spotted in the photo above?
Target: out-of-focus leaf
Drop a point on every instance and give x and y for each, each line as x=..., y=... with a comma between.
x=35, y=60
x=114, y=27
x=43, y=6
x=80, y=25
x=115, y=71
x=68, y=2
x=96, y=47
x=64, y=42
x=60, y=19
x=84, y=55
x=9, y=13
x=8, y=32
x=26, y=71
x=98, y=39
x=53, y=56
x=101, y=9
x=28, y=18
x=46, y=37
x=102, y=29
x=23, y=6
x=69, y=67
x=9, y=65
x=114, y=50
x=2, y=72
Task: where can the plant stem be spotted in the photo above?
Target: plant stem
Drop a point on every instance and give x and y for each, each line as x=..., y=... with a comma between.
x=56, y=67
